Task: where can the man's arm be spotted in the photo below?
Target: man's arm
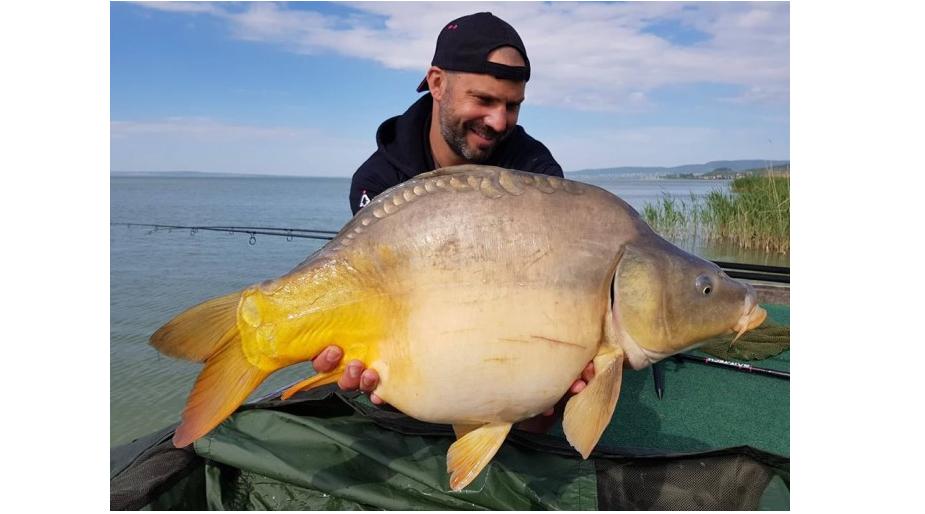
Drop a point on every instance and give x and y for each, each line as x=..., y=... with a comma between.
x=545, y=163
x=549, y=167
x=373, y=177
x=528, y=154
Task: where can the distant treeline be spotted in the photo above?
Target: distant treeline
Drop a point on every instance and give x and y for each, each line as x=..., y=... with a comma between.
x=687, y=170
x=729, y=174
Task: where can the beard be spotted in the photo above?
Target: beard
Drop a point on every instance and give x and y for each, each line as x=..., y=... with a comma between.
x=454, y=132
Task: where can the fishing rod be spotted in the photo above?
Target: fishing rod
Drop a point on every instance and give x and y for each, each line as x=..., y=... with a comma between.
x=288, y=233
x=332, y=232
x=658, y=370
x=733, y=269
x=733, y=365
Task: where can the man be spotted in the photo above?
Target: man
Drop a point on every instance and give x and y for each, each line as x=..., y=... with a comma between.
x=476, y=81
x=476, y=84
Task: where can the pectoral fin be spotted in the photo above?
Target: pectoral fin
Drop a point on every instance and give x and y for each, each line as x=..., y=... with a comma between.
x=472, y=452
x=588, y=412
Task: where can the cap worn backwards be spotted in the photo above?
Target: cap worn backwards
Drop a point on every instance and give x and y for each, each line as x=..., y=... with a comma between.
x=465, y=43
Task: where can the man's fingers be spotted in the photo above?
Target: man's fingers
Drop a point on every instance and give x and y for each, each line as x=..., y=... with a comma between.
x=328, y=359
x=369, y=380
x=351, y=377
x=588, y=373
x=355, y=376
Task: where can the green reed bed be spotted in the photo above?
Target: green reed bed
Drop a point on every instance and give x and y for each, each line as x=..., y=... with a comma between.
x=755, y=215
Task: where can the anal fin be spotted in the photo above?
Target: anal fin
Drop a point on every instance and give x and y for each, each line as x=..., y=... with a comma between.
x=588, y=413
x=472, y=452
x=314, y=381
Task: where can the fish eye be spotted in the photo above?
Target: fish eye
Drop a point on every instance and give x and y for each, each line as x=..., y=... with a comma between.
x=704, y=285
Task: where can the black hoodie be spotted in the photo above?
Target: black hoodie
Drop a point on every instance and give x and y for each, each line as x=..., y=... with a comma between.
x=404, y=152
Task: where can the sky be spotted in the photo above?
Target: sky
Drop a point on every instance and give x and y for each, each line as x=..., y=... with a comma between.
x=300, y=88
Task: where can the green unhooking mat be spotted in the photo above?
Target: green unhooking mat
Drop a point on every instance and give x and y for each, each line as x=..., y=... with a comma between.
x=721, y=442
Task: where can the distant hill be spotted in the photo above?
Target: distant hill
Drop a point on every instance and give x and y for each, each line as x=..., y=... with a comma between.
x=689, y=169
x=727, y=173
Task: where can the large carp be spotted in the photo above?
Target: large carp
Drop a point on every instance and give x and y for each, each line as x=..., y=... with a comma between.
x=478, y=294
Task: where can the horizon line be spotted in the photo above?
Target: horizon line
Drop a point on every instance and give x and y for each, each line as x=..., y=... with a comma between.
x=254, y=174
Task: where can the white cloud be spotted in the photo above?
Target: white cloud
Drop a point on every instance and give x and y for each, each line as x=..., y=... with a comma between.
x=588, y=56
x=205, y=144
x=184, y=7
x=775, y=93
x=197, y=127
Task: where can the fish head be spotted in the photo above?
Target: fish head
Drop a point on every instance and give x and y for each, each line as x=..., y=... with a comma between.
x=666, y=301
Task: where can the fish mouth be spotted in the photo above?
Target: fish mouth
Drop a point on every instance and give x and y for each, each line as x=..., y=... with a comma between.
x=754, y=315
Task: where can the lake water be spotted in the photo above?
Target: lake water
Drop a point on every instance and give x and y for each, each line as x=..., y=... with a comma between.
x=156, y=275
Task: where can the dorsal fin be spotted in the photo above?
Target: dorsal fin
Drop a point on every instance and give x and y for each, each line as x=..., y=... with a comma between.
x=455, y=170
x=490, y=181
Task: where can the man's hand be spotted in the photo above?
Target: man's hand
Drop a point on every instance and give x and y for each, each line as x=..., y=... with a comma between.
x=356, y=377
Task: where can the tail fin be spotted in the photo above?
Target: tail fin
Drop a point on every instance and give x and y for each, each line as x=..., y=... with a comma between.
x=200, y=331
x=208, y=332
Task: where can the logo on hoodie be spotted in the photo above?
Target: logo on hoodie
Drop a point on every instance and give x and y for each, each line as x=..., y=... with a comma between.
x=364, y=199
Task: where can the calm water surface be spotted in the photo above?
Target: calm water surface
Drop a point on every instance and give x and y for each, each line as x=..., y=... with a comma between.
x=156, y=275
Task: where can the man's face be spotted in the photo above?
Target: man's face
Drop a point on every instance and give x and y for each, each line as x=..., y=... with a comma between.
x=477, y=112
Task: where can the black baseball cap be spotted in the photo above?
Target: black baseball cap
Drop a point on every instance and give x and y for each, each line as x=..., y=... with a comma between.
x=464, y=45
